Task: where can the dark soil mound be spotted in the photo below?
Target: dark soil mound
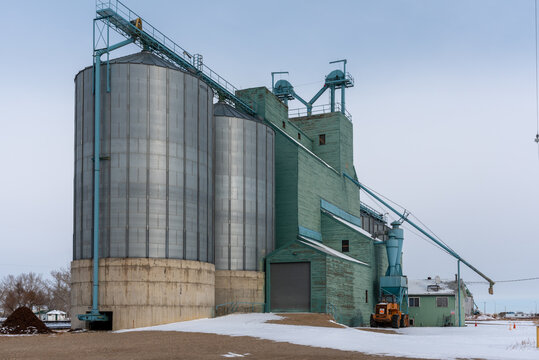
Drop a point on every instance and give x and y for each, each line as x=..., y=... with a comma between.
x=23, y=321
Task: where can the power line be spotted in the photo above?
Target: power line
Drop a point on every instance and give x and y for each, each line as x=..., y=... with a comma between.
x=409, y=228
x=536, y=82
x=536, y=72
x=503, y=281
x=415, y=217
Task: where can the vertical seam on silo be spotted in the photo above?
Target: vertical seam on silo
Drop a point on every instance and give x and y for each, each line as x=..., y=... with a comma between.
x=92, y=169
x=109, y=193
x=209, y=195
x=184, y=161
x=256, y=196
x=148, y=77
x=167, y=155
x=229, y=153
x=75, y=177
x=128, y=159
x=82, y=169
x=243, y=183
x=198, y=168
x=266, y=189
x=273, y=192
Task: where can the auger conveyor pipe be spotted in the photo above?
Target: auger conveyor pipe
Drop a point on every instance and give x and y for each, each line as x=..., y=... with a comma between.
x=436, y=241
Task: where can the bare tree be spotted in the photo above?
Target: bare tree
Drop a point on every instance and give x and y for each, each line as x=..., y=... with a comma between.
x=23, y=290
x=59, y=290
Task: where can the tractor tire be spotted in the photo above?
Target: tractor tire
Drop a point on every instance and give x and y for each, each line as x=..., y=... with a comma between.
x=405, y=322
x=395, y=321
x=373, y=322
x=402, y=324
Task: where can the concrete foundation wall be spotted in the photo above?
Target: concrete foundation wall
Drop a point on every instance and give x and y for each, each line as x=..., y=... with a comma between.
x=239, y=286
x=144, y=292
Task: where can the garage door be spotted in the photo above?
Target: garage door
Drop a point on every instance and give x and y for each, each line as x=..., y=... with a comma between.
x=290, y=286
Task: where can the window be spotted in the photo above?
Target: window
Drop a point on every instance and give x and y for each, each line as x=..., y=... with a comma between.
x=366, y=296
x=413, y=302
x=322, y=139
x=441, y=302
x=299, y=136
x=284, y=125
x=345, y=246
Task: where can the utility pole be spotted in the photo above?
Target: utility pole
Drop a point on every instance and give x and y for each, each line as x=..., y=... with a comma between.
x=484, y=307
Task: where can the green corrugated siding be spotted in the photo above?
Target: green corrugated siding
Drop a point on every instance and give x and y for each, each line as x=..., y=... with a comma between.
x=316, y=181
x=286, y=190
x=346, y=286
x=301, y=180
x=336, y=282
x=327, y=124
x=361, y=247
x=268, y=107
x=428, y=314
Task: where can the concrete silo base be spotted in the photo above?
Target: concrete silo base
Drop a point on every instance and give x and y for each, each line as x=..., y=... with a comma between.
x=235, y=286
x=144, y=292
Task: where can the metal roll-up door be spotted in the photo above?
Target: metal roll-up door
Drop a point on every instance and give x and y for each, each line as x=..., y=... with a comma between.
x=290, y=286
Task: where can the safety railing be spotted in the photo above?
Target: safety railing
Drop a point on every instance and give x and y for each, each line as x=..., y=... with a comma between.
x=163, y=42
x=318, y=109
x=374, y=213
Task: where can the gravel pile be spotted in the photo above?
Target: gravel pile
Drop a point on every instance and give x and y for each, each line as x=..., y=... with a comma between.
x=23, y=321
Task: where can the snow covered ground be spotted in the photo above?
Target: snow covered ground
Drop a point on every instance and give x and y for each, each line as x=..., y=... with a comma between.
x=489, y=340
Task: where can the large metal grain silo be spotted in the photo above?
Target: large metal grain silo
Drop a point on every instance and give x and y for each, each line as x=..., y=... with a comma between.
x=156, y=184
x=244, y=205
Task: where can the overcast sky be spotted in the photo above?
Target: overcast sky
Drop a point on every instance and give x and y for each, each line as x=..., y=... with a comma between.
x=443, y=111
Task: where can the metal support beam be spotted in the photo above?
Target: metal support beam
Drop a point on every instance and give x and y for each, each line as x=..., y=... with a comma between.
x=318, y=94
x=436, y=241
x=342, y=99
x=94, y=314
x=343, y=88
x=332, y=99
x=458, y=288
x=300, y=99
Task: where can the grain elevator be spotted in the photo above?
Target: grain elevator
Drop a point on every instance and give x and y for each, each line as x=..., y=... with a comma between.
x=193, y=198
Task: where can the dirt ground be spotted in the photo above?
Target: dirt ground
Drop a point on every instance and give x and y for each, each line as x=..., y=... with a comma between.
x=306, y=319
x=160, y=345
x=172, y=345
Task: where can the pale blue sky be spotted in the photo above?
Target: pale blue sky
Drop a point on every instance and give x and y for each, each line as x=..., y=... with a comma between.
x=443, y=108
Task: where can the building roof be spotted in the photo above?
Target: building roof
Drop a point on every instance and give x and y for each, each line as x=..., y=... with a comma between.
x=350, y=225
x=144, y=57
x=56, y=312
x=224, y=109
x=327, y=250
x=434, y=286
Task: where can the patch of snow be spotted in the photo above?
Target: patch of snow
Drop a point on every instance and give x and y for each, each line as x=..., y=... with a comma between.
x=56, y=312
x=488, y=340
x=231, y=355
x=354, y=227
x=421, y=287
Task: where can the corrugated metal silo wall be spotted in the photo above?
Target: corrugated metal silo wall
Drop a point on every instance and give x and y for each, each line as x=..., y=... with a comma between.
x=244, y=193
x=156, y=189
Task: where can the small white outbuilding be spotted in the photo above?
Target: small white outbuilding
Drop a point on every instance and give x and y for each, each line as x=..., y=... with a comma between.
x=56, y=315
